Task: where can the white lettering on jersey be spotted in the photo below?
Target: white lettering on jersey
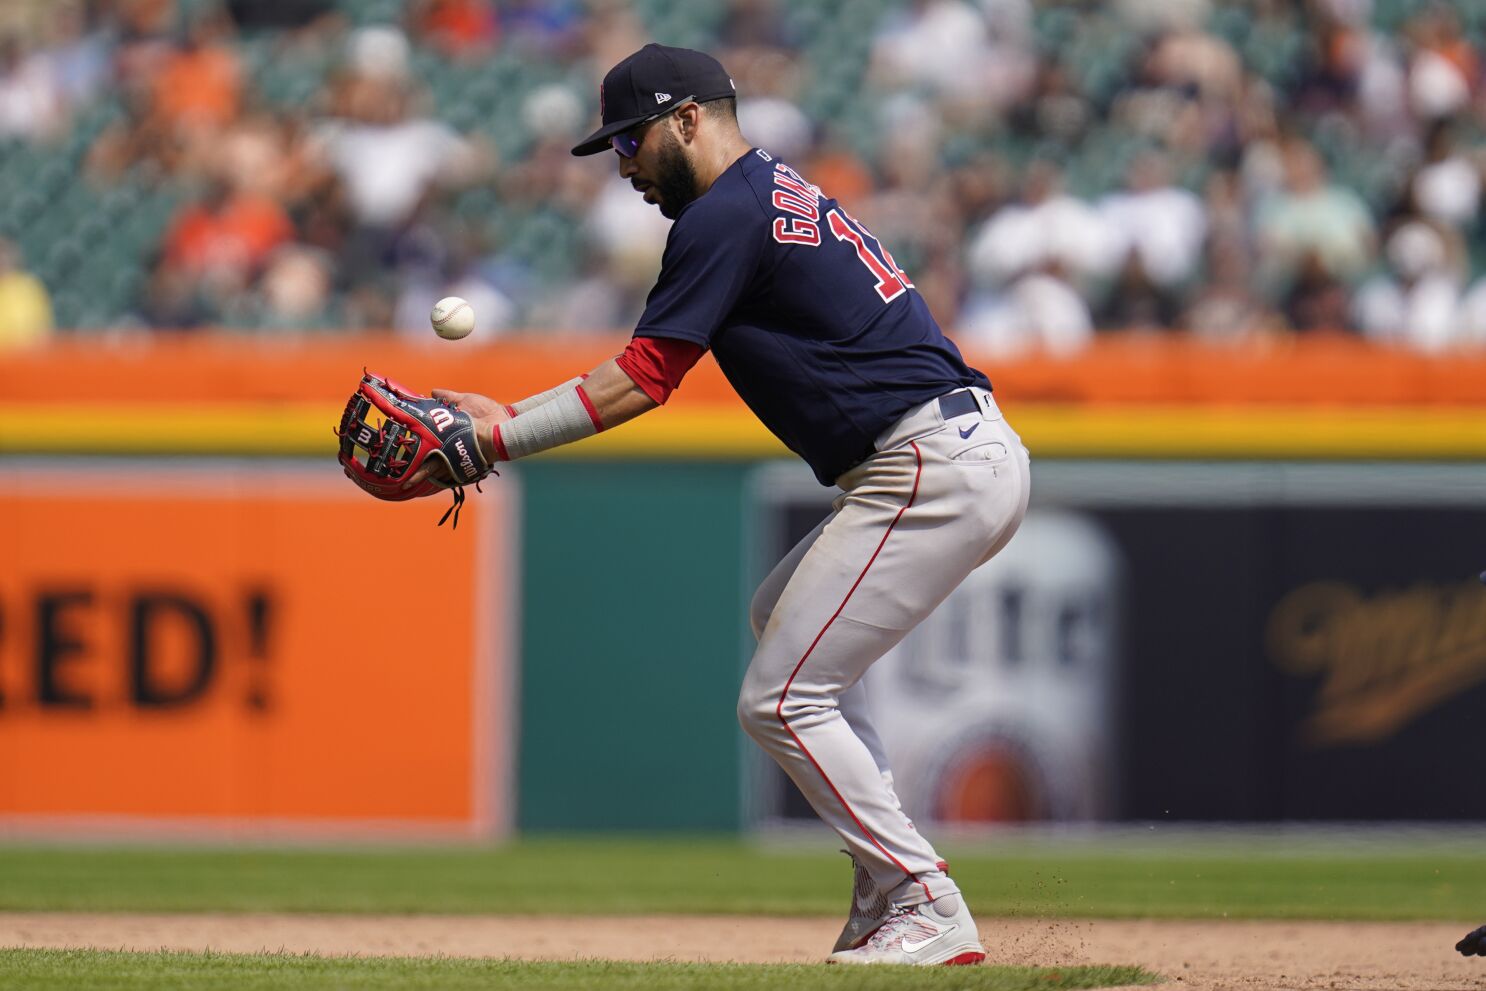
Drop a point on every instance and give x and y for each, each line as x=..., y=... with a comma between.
x=798, y=197
x=802, y=199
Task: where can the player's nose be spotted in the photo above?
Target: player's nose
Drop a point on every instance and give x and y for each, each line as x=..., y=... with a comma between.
x=627, y=166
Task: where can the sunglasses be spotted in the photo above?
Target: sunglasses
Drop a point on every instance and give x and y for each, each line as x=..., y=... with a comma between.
x=627, y=143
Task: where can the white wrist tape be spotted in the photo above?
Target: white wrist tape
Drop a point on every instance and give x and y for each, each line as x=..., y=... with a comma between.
x=543, y=398
x=561, y=421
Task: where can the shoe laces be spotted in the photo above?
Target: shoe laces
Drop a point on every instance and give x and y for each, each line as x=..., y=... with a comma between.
x=458, y=502
x=902, y=922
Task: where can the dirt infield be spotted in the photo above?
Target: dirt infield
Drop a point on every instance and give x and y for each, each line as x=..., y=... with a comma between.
x=1222, y=954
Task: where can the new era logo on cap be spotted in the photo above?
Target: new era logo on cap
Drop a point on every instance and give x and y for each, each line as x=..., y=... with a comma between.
x=662, y=97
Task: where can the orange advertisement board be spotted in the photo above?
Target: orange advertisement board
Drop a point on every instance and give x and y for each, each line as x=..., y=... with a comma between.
x=236, y=643
x=197, y=371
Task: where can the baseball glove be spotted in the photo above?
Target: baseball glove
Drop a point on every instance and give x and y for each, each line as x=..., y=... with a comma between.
x=1474, y=943
x=388, y=432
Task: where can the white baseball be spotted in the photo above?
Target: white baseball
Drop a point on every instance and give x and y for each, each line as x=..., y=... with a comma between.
x=452, y=318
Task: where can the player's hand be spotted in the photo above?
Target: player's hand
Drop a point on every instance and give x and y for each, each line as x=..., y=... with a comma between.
x=485, y=412
x=473, y=403
x=435, y=471
x=1474, y=944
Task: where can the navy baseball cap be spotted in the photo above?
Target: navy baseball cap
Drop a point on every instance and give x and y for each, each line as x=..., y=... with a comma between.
x=654, y=81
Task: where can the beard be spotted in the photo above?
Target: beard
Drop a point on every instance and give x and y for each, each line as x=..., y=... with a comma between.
x=675, y=180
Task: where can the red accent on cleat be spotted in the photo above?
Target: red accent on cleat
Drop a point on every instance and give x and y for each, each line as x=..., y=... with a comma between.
x=965, y=959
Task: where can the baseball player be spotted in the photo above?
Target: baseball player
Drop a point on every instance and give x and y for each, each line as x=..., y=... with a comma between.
x=823, y=336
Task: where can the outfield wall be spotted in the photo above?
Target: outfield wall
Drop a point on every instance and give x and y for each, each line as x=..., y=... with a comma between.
x=1245, y=592
x=228, y=645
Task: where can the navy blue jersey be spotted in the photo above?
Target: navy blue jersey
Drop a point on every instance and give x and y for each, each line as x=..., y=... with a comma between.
x=806, y=312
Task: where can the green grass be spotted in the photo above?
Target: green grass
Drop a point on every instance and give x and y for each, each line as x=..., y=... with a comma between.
x=717, y=877
x=87, y=970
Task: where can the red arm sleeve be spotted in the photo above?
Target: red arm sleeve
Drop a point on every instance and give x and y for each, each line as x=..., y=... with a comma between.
x=657, y=364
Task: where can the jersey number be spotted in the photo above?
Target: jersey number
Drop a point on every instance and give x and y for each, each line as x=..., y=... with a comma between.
x=892, y=282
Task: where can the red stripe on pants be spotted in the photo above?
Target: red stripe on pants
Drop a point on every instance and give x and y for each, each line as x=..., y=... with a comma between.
x=779, y=709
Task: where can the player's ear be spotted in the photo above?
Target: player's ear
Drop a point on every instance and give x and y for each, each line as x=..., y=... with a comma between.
x=687, y=118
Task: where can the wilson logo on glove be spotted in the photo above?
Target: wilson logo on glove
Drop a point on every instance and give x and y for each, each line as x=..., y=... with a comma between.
x=466, y=462
x=382, y=457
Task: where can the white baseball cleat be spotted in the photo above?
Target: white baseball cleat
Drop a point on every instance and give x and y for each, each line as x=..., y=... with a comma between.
x=870, y=908
x=937, y=932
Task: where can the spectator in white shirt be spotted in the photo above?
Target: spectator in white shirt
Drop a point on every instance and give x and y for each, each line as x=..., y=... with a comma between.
x=31, y=99
x=1038, y=312
x=385, y=156
x=1161, y=224
x=1046, y=227
x=1418, y=305
x=1447, y=186
x=972, y=57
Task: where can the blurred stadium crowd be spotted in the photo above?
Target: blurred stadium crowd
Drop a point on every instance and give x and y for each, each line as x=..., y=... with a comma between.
x=1046, y=170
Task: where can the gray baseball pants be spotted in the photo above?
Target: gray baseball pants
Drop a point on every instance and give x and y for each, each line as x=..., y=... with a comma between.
x=938, y=499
